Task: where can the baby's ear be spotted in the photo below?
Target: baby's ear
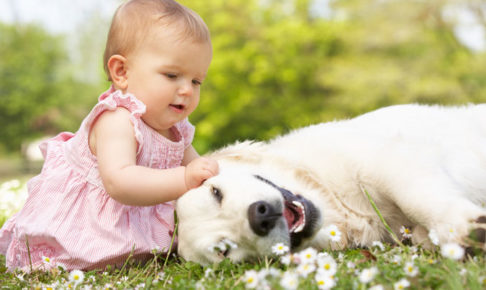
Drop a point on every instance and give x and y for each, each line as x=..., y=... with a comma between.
x=117, y=67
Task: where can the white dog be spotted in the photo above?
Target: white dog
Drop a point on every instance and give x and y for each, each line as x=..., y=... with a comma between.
x=423, y=166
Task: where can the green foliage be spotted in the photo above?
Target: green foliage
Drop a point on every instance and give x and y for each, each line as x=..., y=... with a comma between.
x=277, y=65
x=37, y=96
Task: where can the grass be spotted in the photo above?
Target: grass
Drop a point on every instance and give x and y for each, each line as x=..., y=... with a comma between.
x=433, y=272
x=382, y=265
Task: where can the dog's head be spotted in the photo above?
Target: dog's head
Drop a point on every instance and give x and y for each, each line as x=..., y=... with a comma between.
x=241, y=215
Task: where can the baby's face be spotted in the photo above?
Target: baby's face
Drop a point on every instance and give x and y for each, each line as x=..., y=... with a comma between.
x=165, y=73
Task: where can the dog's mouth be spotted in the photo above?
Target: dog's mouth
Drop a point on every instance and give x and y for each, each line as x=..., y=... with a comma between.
x=301, y=216
x=300, y=213
x=294, y=214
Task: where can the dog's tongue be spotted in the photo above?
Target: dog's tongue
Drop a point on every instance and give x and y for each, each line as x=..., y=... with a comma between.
x=294, y=215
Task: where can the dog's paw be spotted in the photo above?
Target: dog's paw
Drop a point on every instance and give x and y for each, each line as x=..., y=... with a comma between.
x=477, y=237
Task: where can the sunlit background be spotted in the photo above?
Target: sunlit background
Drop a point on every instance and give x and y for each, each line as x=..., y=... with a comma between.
x=278, y=64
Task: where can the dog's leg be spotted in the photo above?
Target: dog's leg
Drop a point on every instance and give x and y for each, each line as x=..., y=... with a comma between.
x=443, y=209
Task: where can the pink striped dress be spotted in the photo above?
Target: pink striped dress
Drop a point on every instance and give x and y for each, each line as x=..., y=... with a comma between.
x=68, y=216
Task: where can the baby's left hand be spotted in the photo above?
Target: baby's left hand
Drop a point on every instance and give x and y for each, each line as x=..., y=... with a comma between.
x=199, y=170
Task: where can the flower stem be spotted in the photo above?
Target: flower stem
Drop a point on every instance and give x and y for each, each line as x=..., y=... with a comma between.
x=387, y=227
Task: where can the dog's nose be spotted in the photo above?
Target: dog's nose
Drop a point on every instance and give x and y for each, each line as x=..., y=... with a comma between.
x=262, y=217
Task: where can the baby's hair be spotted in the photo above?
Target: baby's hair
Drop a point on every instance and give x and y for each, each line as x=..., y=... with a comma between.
x=132, y=22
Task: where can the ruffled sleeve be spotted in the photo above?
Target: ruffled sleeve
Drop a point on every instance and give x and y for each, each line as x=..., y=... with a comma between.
x=187, y=131
x=111, y=100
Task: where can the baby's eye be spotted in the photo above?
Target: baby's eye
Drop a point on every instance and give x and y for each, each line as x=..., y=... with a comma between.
x=196, y=82
x=171, y=75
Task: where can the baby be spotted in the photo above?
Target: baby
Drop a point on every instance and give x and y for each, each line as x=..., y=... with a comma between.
x=106, y=191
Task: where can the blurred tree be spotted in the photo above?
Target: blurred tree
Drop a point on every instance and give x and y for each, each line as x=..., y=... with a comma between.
x=37, y=97
x=278, y=64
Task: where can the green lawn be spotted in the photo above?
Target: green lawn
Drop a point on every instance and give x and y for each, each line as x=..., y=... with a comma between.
x=384, y=266
x=352, y=269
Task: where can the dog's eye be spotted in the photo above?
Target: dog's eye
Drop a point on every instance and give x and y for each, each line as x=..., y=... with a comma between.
x=217, y=194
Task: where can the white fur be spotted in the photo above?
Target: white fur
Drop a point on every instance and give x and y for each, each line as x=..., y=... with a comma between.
x=424, y=167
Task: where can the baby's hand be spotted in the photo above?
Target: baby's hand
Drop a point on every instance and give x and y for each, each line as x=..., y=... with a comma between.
x=199, y=170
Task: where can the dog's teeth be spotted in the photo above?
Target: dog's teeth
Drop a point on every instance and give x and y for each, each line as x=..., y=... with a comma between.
x=298, y=204
x=299, y=228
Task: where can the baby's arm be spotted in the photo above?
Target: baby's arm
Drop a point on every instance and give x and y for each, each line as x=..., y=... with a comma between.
x=113, y=142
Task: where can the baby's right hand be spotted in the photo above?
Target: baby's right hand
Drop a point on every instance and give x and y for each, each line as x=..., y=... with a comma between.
x=198, y=170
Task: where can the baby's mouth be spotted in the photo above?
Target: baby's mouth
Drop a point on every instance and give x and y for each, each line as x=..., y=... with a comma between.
x=177, y=107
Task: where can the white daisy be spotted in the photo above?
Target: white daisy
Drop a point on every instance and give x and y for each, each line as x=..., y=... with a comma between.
x=327, y=265
x=324, y=281
x=76, y=276
x=367, y=275
x=452, y=251
x=410, y=269
x=289, y=280
x=406, y=232
x=251, y=279
x=378, y=244
x=376, y=287
x=434, y=238
x=287, y=259
x=333, y=233
x=305, y=269
x=350, y=265
x=47, y=261
x=396, y=259
x=401, y=284
x=308, y=256
x=482, y=280
x=280, y=249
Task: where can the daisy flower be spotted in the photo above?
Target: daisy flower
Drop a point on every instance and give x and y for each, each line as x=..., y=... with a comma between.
x=47, y=261
x=272, y=272
x=376, y=287
x=222, y=246
x=305, y=269
x=287, y=259
x=251, y=279
x=434, y=238
x=406, y=232
x=452, y=232
x=482, y=280
x=280, y=249
x=367, y=275
x=396, y=259
x=350, y=265
x=324, y=281
x=379, y=245
x=76, y=276
x=289, y=280
x=452, y=251
x=333, y=233
x=308, y=256
x=410, y=269
x=327, y=265
x=401, y=284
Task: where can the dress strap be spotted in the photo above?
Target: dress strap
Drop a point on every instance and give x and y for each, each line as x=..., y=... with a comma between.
x=112, y=99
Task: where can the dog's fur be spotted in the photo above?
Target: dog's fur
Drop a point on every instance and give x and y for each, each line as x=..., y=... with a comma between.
x=423, y=166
